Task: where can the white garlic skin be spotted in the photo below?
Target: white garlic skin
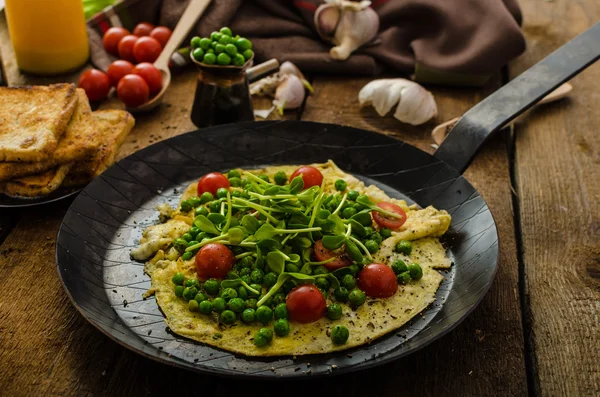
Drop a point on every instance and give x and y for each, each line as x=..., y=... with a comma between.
x=290, y=94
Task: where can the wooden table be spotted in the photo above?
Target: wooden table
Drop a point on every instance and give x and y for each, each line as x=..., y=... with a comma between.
x=536, y=332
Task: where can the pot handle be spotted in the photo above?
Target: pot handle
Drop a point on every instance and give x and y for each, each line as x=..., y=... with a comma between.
x=508, y=102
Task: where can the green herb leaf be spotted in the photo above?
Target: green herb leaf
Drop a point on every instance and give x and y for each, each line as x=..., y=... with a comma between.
x=236, y=282
x=294, y=258
x=353, y=251
x=363, y=217
x=296, y=185
x=302, y=277
x=335, y=283
x=268, y=245
x=202, y=223
x=357, y=228
x=333, y=242
x=265, y=232
x=342, y=271
x=272, y=191
x=215, y=218
x=276, y=261
x=236, y=235
x=250, y=223
x=339, y=227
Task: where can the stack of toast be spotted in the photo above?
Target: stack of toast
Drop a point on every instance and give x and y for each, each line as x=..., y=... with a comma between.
x=49, y=137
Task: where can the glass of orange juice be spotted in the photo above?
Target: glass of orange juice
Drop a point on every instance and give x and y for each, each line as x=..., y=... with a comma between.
x=49, y=36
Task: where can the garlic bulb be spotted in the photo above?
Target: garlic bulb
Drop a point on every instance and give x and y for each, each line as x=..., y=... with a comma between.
x=289, y=94
x=347, y=24
x=416, y=105
x=289, y=68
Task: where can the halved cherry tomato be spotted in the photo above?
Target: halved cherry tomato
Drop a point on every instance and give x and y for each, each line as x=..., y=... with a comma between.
x=212, y=182
x=322, y=254
x=214, y=261
x=306, y=304
x=126, y=47
x=389, y=222
x=133, y=90
x=162, y=34
x=117, y=70
x=95, y=84
x=143, y=29
x=151, y=75
x=377, y=281
x=146, y=49
x=310, y=175
x=111, y=39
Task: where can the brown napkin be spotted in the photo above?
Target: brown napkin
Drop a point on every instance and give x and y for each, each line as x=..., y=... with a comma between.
x=438, y=39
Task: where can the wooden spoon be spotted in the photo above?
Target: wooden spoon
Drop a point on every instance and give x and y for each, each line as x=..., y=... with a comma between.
x=439, y=133
x=192, y=13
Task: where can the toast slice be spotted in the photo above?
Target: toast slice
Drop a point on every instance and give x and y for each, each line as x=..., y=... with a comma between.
x=113, y=126
x=79, y=141
x=37, y=185
x=32, y=120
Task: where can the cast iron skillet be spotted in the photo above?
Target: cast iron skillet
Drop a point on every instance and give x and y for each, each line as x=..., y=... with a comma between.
x=106, y=220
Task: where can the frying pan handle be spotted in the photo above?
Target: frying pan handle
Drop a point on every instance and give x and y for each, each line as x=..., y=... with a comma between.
x=524, y=91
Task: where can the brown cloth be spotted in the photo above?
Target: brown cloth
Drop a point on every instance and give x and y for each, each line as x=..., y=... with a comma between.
x=449, y=37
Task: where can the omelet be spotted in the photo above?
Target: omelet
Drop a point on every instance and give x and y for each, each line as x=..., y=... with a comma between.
x=371, y=320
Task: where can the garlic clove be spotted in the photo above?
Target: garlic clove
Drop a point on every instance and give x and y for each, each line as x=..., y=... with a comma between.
x=327, y=17
x=385, y=97
x=354, y=29
x=416, y=106
x=267, y=85
x=289, y=68
x=365, y=96
x=289, y=94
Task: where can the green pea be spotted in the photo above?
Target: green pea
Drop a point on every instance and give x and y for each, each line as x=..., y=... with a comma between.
x=340, y=185
x=263, y=337
x=223, y=59
x=281, y=311
x=179, y=290
x=339, y=334
x=205, y=307
x=209, y=58
x=247, y=261
x=187, y=237
x=323, y=214
x=204, y=43
x=322, y=283
x=219, y=48
x=349, y=281
x=235, y=182
x=246, y=278
x=201, y=211
x=404, y=247
x=180, y=244
x=278, y=299
x=214, y=206
x=359, y=207
x=281, y=327
x=341, y=294
x=192, y=282
x=236, y=305
x=399, y=266
x=249, y=315
x=219, y=304
x=291, y=268
x=227, y=317
x=193, y=305
x=231, y=49
x=242, y=292
x=376, y=237
x=280, y=178
x=385, y=233
x=228, y=293
x=243, y=44
x=245, y=271
x=195, y=42
x=210, y=50
x=270, y=279
x=372, y=246
x=403, y=278
x=238, y=59
x=226, y=31
x=213, y=44
x=198, y=54
x=215, y=36
x=334, y=311
x=349, y=212
x=224, y=40
x=357, y=297
x=194, y=231
x=192, y=243
x=264, y=314
x=354, y=268
x=235, y=193
x=222, y=192
x=250, y=303
x=320, y=270
x=212, y=286
x=256, y=287
x=257, y=276
x=247, y=54
x=232, y=275
x=369, y=230
x=264, y=177
x=206, y=197
x=288, y=286
x=353, y=195
x=178, y=278
x=189, y=293
x=187, y=256
x=415, y=271
x=186, y=206
x=200, y=297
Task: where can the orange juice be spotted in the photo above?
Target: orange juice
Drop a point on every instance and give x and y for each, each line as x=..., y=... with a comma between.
x=49, y=36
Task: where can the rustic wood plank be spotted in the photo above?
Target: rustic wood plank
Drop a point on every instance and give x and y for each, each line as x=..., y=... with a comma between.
x=557, y=170
x=484, y=355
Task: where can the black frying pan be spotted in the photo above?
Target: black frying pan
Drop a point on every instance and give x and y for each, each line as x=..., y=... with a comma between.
x=107, y=218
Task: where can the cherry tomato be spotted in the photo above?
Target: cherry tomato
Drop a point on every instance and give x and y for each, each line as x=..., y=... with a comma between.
x=162, y=34
x=310, y=175
x=212, y=182
x=306, y=304
x=117, y=70
x=151, y=75
x=143, y=29
x=126, y=47
x=322, y=254
x=389, y=222
x=111, y=39
x=214, y=261
x=133, y=90
x=95, y=84
x=377, y=281
x=146, y=49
